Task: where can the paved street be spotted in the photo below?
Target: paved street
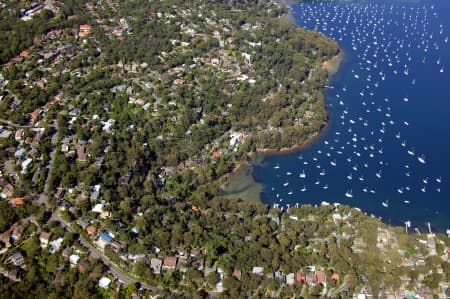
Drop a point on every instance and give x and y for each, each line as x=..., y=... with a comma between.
x=42, y=200
x=96, y=253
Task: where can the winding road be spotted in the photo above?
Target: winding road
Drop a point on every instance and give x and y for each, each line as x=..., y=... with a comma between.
x=93, y=251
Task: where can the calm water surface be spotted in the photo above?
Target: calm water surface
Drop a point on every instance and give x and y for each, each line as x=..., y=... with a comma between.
x=390, y=111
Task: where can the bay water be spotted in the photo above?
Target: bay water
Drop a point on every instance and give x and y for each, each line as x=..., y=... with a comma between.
x=387, y=147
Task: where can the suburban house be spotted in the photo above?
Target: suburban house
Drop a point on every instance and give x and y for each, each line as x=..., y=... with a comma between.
x=83, y=265
x=104, y=239
x=56, y=244
x=16, y=259
x=258, y=270
x=66, y=253
x=64, y=205
x=155, y=265
x=17, y=231
x=300, y=278
x=198, y=264
x=74, y=259
x=16, y=202
x=85, y=30
x=104, y=282
x=321, y=278
x=91, y=230
x=170, y=262
x=335, y=277
x=44, y=238
x=237, y=274
x=290, y=279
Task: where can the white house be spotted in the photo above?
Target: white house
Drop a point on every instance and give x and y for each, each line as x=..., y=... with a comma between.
x=104, y=282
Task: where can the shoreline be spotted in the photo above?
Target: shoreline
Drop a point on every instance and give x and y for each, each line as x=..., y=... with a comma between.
x=332, y=66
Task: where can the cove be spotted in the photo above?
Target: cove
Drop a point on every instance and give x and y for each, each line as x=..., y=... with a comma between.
x=386, y=149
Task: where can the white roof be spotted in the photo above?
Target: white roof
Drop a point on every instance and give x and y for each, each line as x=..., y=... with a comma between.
x=26, y=163
x=56, y=244
x=98, y=208
x=104, y=282
x=290, y=278
x=74, y=259
x=258, y=270
x=234, y=138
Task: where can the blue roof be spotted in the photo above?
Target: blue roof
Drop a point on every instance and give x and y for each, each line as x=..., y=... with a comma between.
x=20, y=153
x=106, y=237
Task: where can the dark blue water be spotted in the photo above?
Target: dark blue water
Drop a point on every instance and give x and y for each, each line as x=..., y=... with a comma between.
x=390, y=96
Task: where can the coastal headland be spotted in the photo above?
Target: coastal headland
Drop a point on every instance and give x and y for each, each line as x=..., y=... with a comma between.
x=240, y=182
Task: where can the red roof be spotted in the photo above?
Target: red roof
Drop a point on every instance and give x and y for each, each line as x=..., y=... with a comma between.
x=91, y=229
x=335, y=276
x=24, y=53
x=85, y=27
x=237, y=274
x=45, y=236
x=35, y=113
x=321, y=277
x=216, y=154
x=170, y=261
x=299, y=277
x=16, y=202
